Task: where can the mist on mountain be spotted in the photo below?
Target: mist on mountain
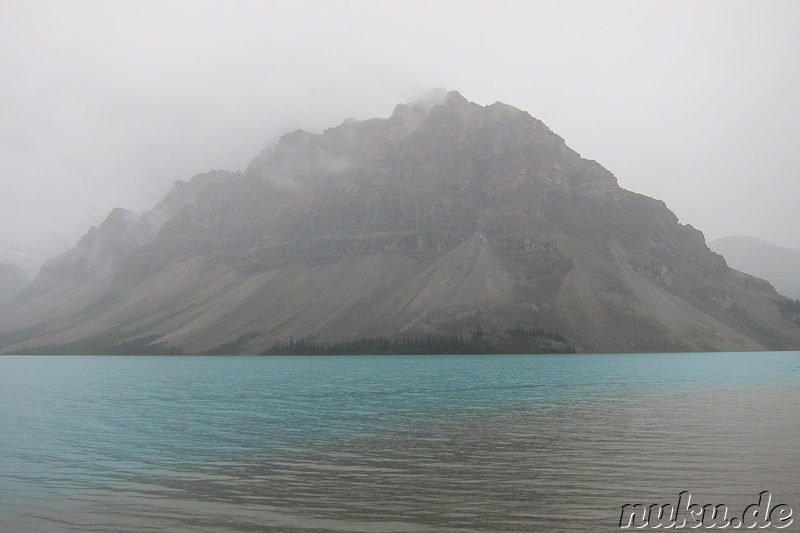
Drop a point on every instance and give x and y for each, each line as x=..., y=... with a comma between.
x=444, y=219
x=776, y=264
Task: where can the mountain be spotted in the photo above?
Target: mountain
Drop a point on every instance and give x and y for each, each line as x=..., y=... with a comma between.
x=444, y=219
x=29, y=260
x=12, y=281
x=776, y=264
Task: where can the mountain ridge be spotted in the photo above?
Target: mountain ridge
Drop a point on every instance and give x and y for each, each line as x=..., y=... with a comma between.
x=777, y=264
x=445, y=217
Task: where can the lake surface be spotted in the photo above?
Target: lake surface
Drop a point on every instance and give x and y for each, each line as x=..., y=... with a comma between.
x=396, y=443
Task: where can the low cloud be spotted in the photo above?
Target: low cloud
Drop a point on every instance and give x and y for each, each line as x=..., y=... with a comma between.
x=106, y=104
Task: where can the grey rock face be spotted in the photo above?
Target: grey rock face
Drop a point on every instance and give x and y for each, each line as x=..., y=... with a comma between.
x=776, y=264
x=439, y=219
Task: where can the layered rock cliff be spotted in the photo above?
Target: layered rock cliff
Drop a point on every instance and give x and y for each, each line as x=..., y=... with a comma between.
x=440, y=219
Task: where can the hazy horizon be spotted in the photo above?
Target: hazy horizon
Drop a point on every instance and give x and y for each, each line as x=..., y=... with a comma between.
x=107, y=104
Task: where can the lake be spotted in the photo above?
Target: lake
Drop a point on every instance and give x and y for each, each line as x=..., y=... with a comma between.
x=392, y=443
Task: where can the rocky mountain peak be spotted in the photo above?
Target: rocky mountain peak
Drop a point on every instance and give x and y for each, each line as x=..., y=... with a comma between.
x=444, y=217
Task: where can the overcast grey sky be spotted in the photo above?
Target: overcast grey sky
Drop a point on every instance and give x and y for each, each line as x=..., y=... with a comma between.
x=105, y=103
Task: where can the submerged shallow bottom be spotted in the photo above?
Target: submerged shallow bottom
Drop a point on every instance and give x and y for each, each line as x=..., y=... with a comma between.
x=386, y=444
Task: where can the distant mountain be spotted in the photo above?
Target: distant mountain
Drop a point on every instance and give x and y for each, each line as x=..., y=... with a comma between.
x=12, y=281
x=445, y=219
x=776, y=264
x=27, y=259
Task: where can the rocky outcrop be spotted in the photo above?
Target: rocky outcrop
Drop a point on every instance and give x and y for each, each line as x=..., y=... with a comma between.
x=776, y=264
x=445, y=217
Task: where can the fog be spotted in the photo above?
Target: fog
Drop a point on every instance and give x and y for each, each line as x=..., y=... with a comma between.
x=105, y=104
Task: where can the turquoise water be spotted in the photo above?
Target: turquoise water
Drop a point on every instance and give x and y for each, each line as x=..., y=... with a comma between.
x=416, y=443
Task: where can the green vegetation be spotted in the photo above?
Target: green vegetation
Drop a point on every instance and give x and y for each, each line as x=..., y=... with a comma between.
x=515, y=340
x=788, y=306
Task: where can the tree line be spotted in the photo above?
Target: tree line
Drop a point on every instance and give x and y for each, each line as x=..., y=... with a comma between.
x=513, y=340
